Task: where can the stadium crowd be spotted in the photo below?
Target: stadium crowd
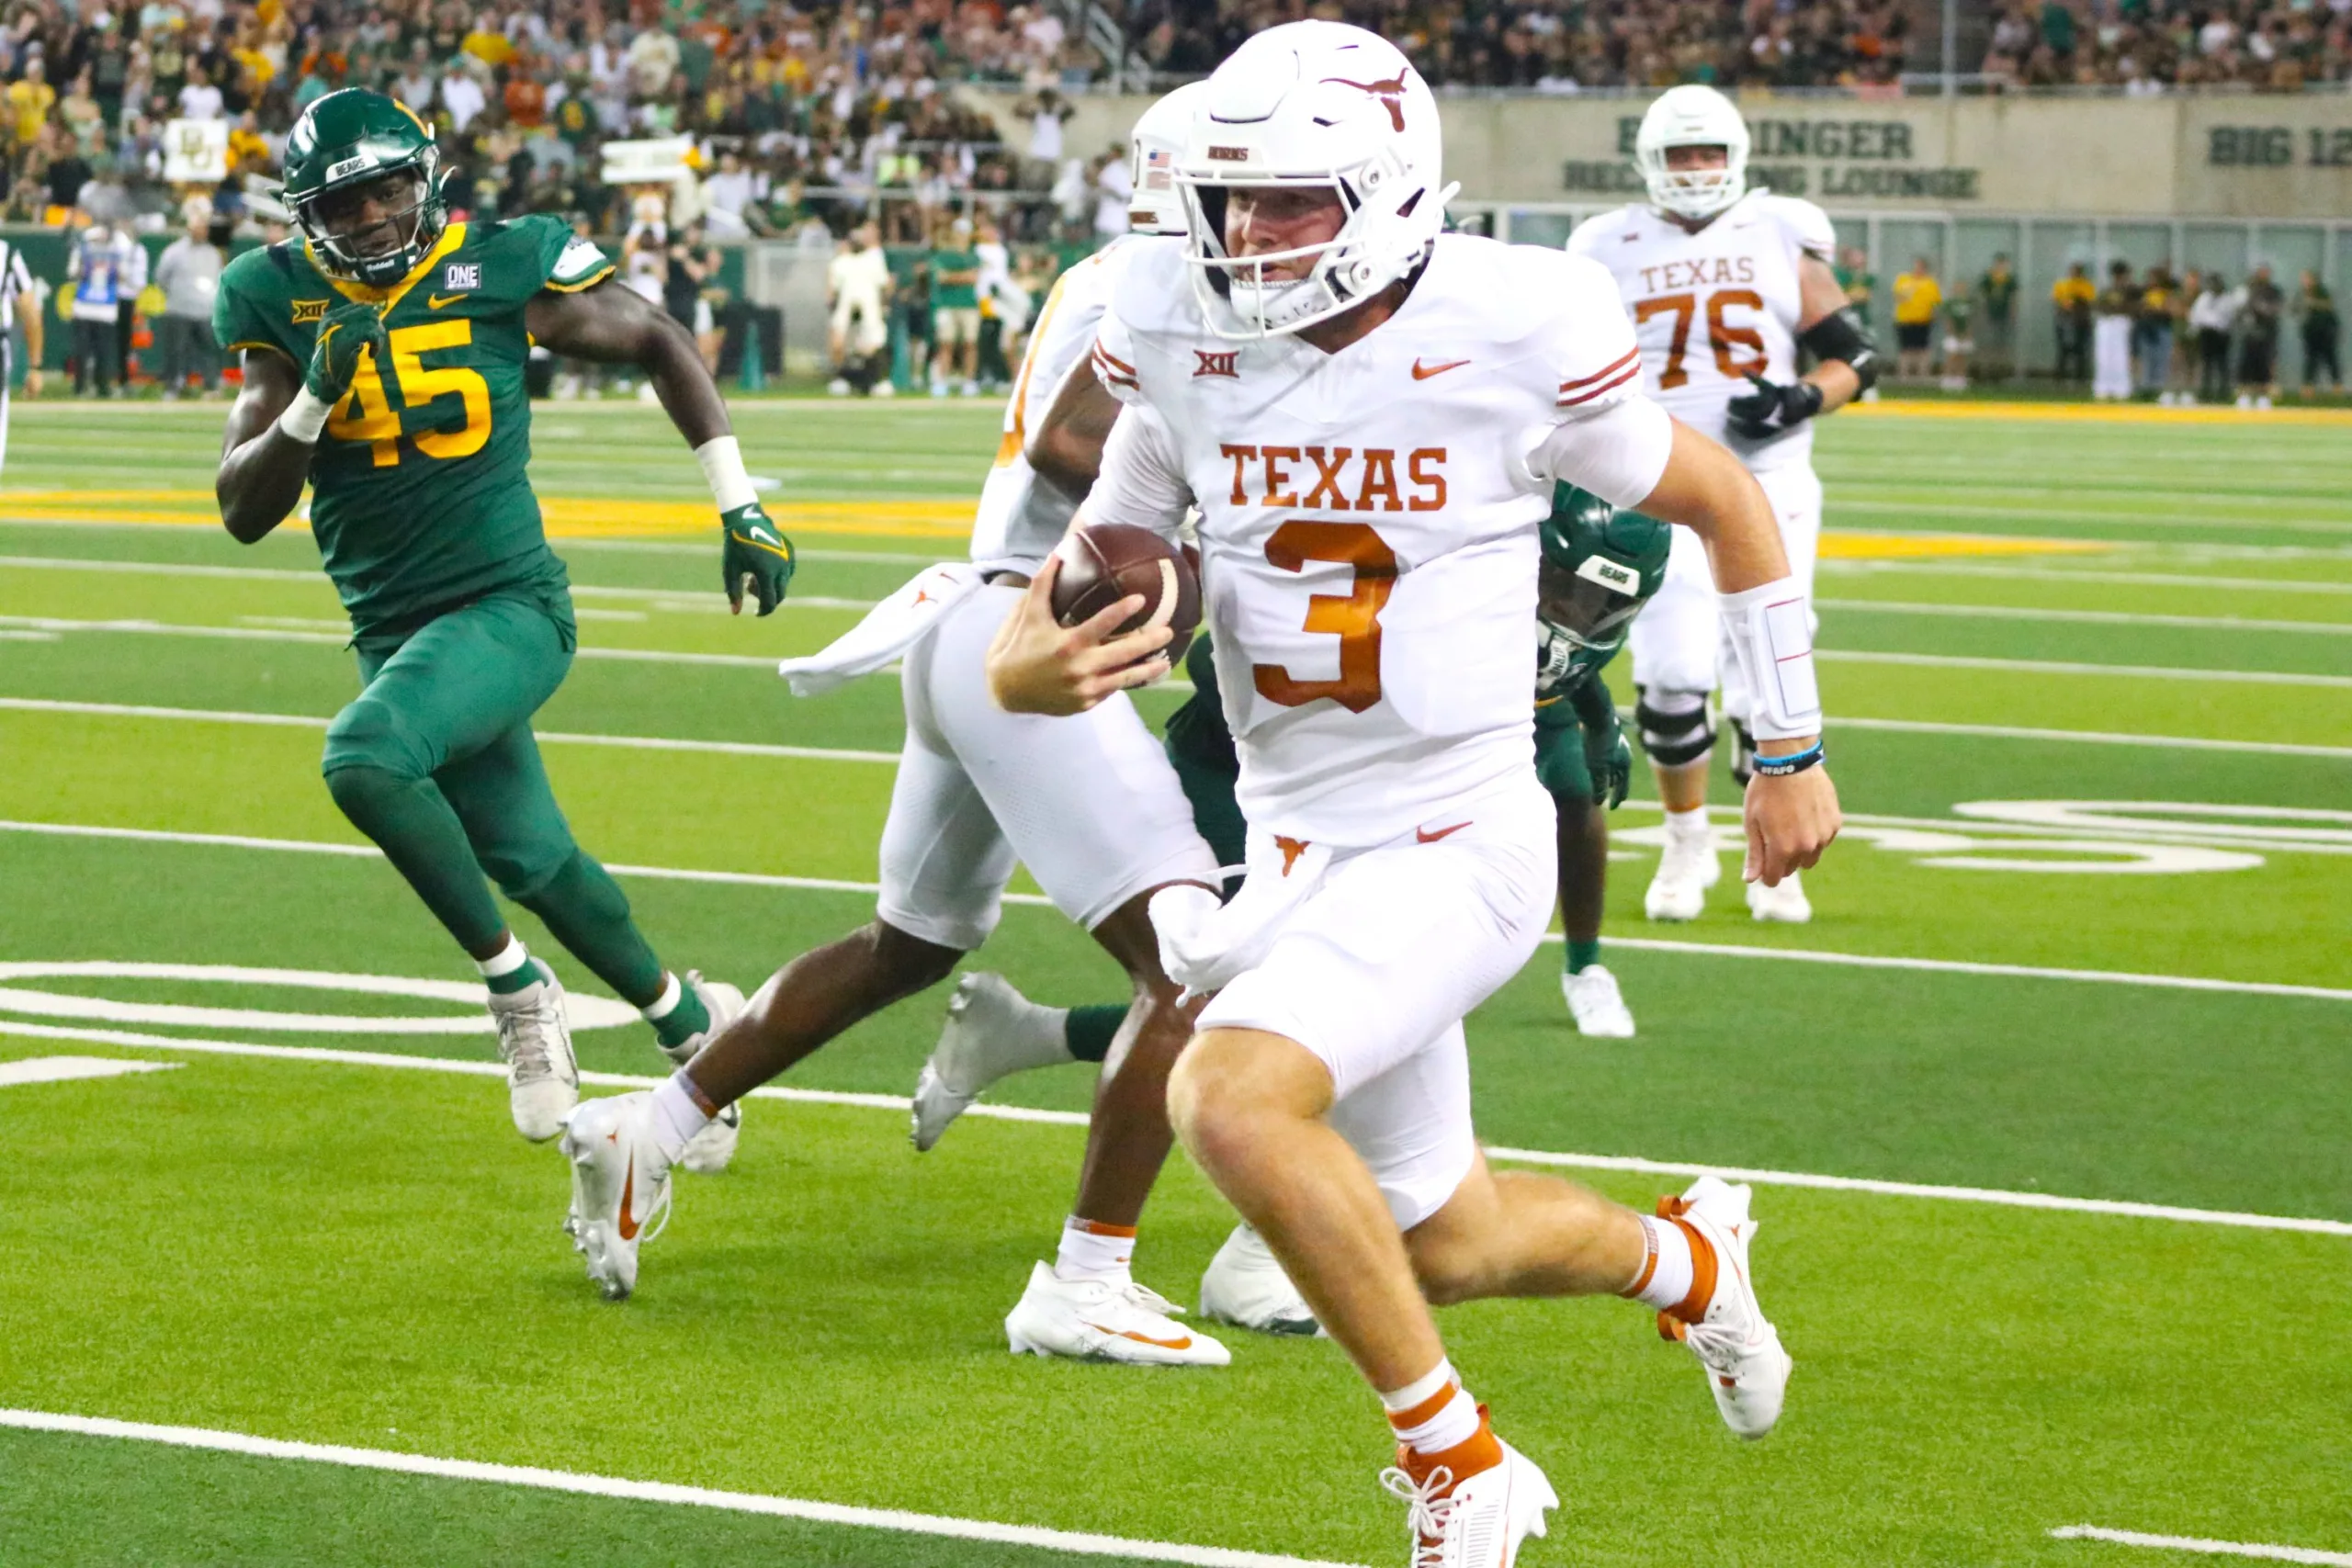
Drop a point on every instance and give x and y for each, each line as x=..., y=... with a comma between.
x=2146, y=45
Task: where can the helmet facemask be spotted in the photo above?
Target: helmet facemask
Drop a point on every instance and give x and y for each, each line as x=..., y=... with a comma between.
x=380, y=253
x=1693, y=116
x=1692, y=193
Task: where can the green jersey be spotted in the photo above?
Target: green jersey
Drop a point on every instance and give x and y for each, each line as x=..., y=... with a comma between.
x=946, y=296
x=420, y=498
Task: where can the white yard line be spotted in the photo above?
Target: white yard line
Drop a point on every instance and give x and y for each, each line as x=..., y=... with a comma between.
x=2206, y=1548
x=2077, y=667
x=68, y=1070
x=892, y=1519
x=2063, y=574
x=833, y=885
x=2086, y=737
x=901, y=1105
x=546, y=738
x=2086, y=617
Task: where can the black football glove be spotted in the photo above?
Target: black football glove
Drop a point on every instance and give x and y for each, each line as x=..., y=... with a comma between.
x=755, y=560
x=344, y=334
x=1772, y=409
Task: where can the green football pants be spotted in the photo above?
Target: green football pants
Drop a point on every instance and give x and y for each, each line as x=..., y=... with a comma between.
x=434, y=762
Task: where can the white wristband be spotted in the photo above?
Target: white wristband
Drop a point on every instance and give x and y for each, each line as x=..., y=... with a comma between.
x=304, y=418
x=1770, y=627
x=722, y=466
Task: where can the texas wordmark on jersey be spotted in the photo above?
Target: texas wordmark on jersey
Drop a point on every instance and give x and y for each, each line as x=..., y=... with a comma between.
x=1711, y=307
x=1368, y=519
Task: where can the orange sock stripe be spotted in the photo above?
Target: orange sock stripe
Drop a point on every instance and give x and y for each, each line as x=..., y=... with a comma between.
x=703, y=1103
x=1649, y=1266
x=1693, y=1308
x=1482, y=1451
x=1096, y=1227
x=1426, y=1411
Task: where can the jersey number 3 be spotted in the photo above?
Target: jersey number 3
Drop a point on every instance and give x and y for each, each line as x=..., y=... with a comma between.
x=363, y=415
x=1722, y=337
x=1352, y=617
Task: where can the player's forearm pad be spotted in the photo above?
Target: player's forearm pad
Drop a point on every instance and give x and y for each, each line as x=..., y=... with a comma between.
x=1772, y=629
x=1842, y=335
x=722, y=464
x=1619, y=454
x=305, y=417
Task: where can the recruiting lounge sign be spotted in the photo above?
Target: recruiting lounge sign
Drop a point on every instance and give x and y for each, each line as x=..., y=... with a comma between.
x=1824, y=157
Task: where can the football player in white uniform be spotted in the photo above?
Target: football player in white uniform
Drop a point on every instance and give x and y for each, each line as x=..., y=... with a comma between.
x=1371, y=417
x=1724, y=284
x=1092, y=809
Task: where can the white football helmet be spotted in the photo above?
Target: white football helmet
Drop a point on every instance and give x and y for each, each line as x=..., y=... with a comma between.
x=1313, y=104
x=1154, y=148
x=1692, y=117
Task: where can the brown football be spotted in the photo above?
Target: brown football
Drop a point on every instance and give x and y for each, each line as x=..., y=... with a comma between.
x=1106, y=563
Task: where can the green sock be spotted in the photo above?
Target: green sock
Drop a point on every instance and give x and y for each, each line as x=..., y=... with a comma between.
x=519, y=970
x=1088, y=1030
x=586, y=910
x=1583, y=955
x=686, y=1018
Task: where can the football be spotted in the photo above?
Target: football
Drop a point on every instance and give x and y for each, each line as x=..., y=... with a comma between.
x=1104, y=563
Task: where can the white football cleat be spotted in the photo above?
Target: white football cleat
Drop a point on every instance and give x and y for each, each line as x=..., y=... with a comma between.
x=1595, y=1004
x=1095, y=1320
x=992, y=1031
x=1784, y=903
x=620, y=1183
x=1748, y=1372
x=1686, y=869
x=1477, y=1521
x=708, y=1151
x=1245, y=1286
x=534, y=1041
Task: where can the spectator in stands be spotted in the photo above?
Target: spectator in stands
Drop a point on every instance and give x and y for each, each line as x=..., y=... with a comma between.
x=189, y=275
x=2322, y=332
x=1114, y=190
x=1917, y=296
x=30, y=99
x=200, y=99
x=1854, y=275
x=857, y=286
x=954, y=309
x=732, y=209
x=1047, y=112
x=2263, y=305
x=2152, y=330
x=2213, y=314
x=1996, y=315
x=2070, y=298
x=690, y=270
x=2114, y=311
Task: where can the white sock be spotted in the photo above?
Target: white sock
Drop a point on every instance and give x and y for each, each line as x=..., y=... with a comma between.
x=508, y=959
x=1664, y=1277
x=676, y=1116
x=1434, y=1413
x=666, y=1003
x=1691, y=824
x=1090, y=1251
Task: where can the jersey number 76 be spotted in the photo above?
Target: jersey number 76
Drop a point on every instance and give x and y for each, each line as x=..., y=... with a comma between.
x=1721, y=336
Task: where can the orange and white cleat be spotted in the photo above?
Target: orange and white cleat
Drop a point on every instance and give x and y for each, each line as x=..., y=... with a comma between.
x=1100, y=1320
x=1748, y=1372
x=1472, y=1505
x=620, y=1187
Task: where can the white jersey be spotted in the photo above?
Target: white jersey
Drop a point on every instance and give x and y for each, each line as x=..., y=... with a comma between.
x=1368, y=519
x=1711, y=307
x=1022, y=518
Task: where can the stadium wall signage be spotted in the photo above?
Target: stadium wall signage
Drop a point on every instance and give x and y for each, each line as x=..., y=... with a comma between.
x=2269, y=156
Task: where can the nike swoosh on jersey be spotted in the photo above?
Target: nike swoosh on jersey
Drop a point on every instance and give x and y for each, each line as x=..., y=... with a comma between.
x=1184, y=1343
x=1423, y=836
x=435, y=302
x=628, y=1189
x=1423, y=372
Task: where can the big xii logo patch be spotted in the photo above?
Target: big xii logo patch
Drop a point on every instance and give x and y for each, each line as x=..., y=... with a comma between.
x=309, y=311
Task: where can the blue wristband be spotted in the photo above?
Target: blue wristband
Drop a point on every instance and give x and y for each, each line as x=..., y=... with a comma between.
x=1795, y=763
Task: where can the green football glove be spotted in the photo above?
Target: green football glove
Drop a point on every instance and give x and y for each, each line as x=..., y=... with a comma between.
x=344, y=334
x=1612, y=766
x=756, y=561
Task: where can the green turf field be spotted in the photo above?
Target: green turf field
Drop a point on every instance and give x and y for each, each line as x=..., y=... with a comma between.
x=2091, y=694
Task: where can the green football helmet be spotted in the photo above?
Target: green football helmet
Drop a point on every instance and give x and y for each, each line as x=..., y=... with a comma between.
x=347, y=147
x=1600, y=566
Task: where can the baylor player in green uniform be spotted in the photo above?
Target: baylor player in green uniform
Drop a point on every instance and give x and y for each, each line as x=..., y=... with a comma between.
x=1599, y=566
x=383, y=358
